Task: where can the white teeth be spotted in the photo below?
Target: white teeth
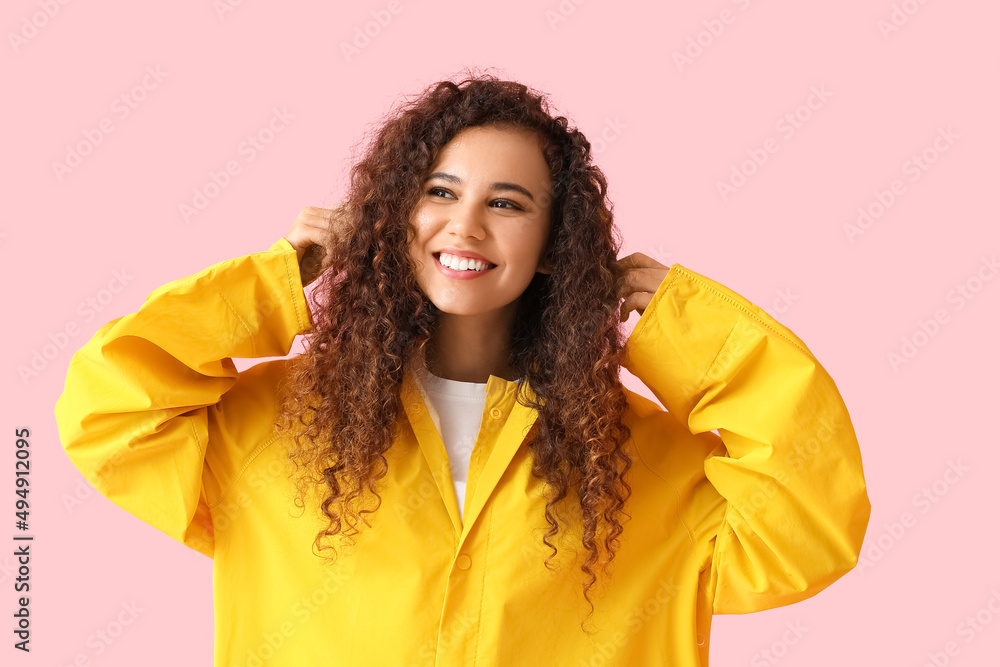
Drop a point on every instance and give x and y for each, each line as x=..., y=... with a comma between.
x=461, y=263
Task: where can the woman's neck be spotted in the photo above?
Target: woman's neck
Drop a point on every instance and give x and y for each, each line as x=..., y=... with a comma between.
x=469, y=349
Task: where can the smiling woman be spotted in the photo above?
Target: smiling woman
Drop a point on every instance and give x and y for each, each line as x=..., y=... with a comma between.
x=456, y=429
x=470, y=221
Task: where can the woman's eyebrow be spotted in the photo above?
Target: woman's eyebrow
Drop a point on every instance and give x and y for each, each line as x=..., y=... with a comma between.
x=498, y=186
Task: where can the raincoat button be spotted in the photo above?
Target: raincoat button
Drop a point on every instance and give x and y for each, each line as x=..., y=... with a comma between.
x=701, y=639
x=495, y=413
x=463, y=562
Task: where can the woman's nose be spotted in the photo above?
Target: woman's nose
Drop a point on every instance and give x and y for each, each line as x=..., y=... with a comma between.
x=467, y=220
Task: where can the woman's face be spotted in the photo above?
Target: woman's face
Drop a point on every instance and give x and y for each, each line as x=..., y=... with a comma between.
x=488, y=194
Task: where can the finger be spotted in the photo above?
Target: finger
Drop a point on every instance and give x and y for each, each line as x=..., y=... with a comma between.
x=640, y=300
x=625, y=309
x=639, y=260
x=319, y=221
x=315, y=217
x=320, y=212
x=644, y=280
x=312, y=228
x=636, y=301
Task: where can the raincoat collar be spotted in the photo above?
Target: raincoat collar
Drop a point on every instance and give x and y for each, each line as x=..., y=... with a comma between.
x=512, y=435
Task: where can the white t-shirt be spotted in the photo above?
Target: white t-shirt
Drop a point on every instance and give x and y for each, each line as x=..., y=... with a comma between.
x=457, y=410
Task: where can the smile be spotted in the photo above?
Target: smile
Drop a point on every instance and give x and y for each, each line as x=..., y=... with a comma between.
x=460, y=273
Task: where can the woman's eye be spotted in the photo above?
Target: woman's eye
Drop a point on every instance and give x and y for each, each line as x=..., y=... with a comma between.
x=434, y=190
x=509, y=204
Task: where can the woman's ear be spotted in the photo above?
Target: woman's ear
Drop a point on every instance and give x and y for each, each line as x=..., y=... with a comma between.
x=545, y=265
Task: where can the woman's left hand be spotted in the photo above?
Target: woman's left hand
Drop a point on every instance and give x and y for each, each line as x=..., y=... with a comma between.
x=643, y=275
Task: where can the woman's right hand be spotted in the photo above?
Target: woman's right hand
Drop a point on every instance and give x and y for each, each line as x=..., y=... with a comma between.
x=310, y=235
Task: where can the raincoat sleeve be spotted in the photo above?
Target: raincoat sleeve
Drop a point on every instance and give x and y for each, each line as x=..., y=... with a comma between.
x=141, y=415
x=785, y=464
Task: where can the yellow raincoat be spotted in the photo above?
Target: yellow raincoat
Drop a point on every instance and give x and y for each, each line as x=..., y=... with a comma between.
x=768, y=511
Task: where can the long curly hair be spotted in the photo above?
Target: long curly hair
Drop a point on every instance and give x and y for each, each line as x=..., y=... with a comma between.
x=372, y=319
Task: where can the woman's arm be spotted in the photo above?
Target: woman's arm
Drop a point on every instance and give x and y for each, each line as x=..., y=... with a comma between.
x=791, y=475
x=141, y=415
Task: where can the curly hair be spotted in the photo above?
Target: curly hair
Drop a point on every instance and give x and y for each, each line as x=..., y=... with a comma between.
x=373, y=320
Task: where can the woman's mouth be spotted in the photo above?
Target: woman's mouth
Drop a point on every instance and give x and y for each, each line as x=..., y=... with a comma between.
x=461, y=268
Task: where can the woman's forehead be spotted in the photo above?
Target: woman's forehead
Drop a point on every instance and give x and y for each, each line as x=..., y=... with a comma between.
x=489, y=153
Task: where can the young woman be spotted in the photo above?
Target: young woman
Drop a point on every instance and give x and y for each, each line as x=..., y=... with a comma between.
x=452, y=472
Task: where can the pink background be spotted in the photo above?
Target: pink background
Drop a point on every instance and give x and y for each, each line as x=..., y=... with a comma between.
x=671, y=132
